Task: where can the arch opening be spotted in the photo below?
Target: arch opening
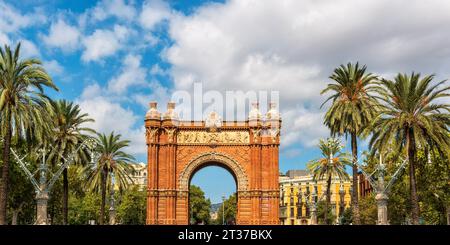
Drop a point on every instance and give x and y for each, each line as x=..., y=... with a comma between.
x=212, y=197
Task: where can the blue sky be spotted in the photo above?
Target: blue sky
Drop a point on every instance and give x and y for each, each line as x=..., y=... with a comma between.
x=114, y=56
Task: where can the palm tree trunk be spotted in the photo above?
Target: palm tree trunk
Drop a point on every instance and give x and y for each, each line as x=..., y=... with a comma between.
x=103, y=190
x=5, y=173
x=356, y=218
x=328, y=201
x=411, y=145
x=65, y=197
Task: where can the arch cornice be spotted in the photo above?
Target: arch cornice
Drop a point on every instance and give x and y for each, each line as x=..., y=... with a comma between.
x=221, y=158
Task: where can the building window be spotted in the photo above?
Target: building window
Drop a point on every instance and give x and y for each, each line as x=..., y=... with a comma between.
x=292, y=212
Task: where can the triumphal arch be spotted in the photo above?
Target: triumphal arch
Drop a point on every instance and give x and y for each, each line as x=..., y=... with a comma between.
x=247, y=149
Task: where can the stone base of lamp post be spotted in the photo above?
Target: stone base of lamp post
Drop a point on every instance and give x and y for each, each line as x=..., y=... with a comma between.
x=382, y=200
x=313, y=216
x=112, y=216
x=42, y=203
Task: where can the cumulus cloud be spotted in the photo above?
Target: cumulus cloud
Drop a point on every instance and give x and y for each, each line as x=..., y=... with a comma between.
x=12, y=20
x=131, y=74
x=53, y=67
x=62, y=35
x=117, y=8
x=153, y=12
x=103, y=43
x=111, y=116
x=293, y=46
x=4, y=39
x=29, y=49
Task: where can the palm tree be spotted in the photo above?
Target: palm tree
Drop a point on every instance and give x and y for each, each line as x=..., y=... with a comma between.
x=66, y=135
x=412, y=117
x=22, y=83
x=330, y=165
x=353, y=108
x=112, y=160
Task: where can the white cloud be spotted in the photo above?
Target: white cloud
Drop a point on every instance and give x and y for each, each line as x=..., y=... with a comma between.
x=293, y=46
x=117, y=8
x=4, y=39
x=29, y=49
x=62, y=35
x=153, y=12
x=132, y=74
x=103, y=43
x=157, y=70
x=53, y=67
x=111, y=116
x=11, y=20
x=158, y=93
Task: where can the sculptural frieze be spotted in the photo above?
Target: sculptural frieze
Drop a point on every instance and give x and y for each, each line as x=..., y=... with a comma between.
x=205, y=137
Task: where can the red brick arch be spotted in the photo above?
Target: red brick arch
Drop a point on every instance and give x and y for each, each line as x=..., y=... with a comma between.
x=177, y=149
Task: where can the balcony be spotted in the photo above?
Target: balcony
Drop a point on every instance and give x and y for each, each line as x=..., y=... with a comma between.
x=283, y=212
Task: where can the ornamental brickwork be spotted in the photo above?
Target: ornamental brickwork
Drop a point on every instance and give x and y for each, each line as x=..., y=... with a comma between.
x=178, y=149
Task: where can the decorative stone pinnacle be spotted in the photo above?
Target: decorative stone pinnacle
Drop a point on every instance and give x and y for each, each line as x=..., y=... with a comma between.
x=272, y=114
x=153, y=113
x=254, y=113
x=170, y=113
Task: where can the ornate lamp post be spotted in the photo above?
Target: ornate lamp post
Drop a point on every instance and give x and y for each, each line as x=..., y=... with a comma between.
x=223, y=210
x=43, y=187
x=341, y=202
x=314, y=205
x=381, y=189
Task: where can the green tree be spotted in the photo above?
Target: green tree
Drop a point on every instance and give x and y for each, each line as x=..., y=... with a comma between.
x=68, y=133
x=230, y=211
x=21, y=203
x=84, y=204
x=368, y=207
x=352, y=110
x=330, y=165
x=433, y=181
x=112, y=161
x=199, y=206
x=412, y=117
x=325, y=218
x=22, y=83
x=132, y=206
x=85, y=208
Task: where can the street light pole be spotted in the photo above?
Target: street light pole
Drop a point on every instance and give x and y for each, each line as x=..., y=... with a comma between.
x=223, y=210
x=44, y=186
x=342, y=202
x=42, y=193
x=381, y=189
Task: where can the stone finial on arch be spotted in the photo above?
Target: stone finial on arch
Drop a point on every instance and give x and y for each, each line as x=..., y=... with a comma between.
x=233, y=165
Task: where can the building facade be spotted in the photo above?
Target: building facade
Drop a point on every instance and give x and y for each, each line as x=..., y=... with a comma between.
x=298, y=192
x=139, y=175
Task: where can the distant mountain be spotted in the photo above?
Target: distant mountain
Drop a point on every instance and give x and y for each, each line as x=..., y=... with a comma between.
x=215, y=207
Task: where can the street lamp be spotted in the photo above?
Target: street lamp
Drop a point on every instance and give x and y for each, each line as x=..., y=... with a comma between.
x=342, y=202
x=223, y=210
x=381, y=189
x=44, y=186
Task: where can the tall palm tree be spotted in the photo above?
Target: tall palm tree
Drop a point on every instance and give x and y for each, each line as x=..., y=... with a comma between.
x=412, y=117
x=67, y=133
x=112, y=160
x=353, y=108
x=330, y=165
x=22, y=83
